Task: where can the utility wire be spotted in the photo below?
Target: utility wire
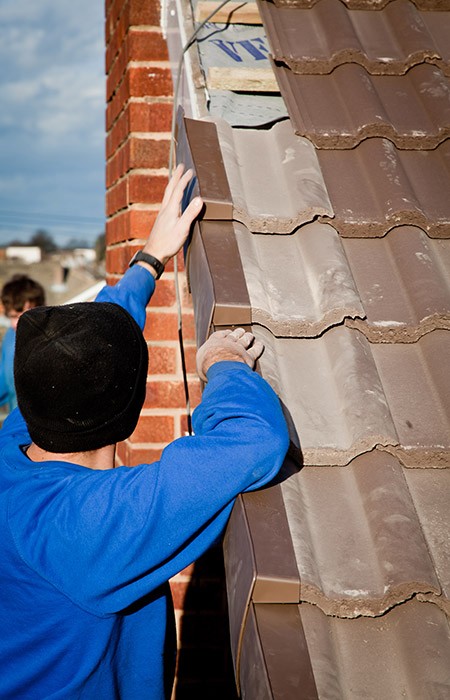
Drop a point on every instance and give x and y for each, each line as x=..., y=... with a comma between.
x=186, y=47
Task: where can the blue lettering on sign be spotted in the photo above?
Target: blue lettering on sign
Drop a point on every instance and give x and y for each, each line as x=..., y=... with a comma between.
x=255, y=47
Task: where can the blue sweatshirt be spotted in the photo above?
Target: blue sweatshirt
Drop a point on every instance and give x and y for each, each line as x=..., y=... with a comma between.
x=7, y=389
x=85, y=555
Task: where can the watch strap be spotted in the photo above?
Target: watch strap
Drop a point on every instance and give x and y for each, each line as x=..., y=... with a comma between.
x=140, y=256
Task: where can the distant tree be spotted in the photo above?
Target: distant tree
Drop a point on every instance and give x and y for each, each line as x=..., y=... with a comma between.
x=100, y=247
x=44, y=240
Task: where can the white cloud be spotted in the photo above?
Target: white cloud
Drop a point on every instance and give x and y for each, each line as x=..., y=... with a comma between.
x=52, y=116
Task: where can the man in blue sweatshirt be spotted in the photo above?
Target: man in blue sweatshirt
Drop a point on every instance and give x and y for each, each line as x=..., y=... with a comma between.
x=87, y=549
x=19, y=294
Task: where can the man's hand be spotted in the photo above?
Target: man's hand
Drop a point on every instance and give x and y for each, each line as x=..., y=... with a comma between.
x=237, y=345
x=171, y=229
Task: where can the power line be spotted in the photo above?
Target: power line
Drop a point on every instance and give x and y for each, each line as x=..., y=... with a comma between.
x=7, y=214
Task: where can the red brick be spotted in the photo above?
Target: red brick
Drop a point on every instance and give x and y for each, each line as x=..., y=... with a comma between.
x=117, y=259
x=141, y=222
x=147, y=45
x=117, y=198
x=154, y=429
x=165, y=394
x=144, y=12
x=146, y=189
x=149, y=153
x=118, y=133
x=179, y=590
x=161, y=326
x=129, y=224
x=148, y=81
x=117, y=103
x=116, y=72
x=137, y=153
x=150, y=117
x=190, y=354
x=131, y=456
x=162, y=360
x=164, y=294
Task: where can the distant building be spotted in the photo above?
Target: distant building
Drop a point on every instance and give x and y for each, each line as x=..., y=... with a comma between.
x=28, y=253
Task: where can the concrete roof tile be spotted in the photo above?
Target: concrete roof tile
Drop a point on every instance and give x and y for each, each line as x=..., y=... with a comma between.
x=367, y=4
x=336, y=406
x=430, y=490
x=403, y=280
x=413, y=110
x=389, y=41
x=375, y=187
x=402, y=654
x=416, y=384
x=276, y=181
x=345, y=396
x=358, y=541
x=316, y=288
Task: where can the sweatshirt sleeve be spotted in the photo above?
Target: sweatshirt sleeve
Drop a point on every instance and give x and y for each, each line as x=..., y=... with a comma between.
x=124, y=532
x=133, y=292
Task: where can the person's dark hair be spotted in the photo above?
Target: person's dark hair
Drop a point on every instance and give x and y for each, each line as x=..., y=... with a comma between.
x=19, y=290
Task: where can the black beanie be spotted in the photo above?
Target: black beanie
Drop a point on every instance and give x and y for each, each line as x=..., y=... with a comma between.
x=80, y=373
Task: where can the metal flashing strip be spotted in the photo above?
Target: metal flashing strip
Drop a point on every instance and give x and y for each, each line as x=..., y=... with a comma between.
x=217, y=279
x=275, y=659
x=198, y=145
x=259, y=558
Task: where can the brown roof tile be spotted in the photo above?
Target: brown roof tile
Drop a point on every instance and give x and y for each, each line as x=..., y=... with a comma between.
x=388, y=41
x=316, y=288
x=412, y=110
x=349, y=527
x=403, y=280
x=276, y=182
x=430, y=490
x=416, y=384
x=345, y=396
x=366, y=4
x=375, y=187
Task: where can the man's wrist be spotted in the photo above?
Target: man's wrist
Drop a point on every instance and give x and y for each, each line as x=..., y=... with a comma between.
x=150, y=262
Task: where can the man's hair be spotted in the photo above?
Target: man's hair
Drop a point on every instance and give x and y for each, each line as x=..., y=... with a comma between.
x=19, y=290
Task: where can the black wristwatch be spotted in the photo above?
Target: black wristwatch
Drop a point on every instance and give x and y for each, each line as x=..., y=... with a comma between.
x=150, y=259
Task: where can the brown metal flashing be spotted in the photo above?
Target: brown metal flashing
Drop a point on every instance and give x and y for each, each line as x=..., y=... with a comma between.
x=386, y=42
x=413, y=110
x=344, y=396
x=404, y=284
x=216, y=278
x=199, y=147
x=259, y=558
x=201, y=286
x=361, y=524
x=375, y=187
x=275, y=661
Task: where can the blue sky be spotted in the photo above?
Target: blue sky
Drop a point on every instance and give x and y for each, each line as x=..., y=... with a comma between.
x=52, y=88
